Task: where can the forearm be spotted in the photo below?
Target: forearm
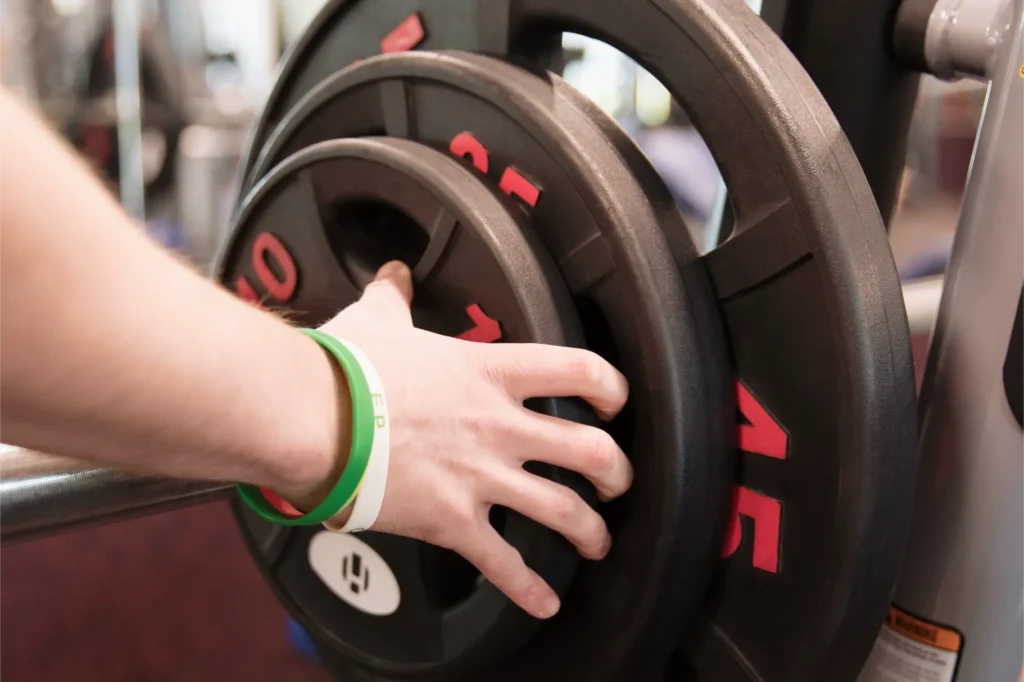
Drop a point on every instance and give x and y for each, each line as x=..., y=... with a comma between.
x=114, y=351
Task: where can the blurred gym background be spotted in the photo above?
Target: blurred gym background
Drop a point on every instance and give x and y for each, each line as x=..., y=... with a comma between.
x=159, y=96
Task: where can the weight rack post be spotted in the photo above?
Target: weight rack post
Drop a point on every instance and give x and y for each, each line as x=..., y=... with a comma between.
x=963, y=565
x=43, y=495
x=129, y=106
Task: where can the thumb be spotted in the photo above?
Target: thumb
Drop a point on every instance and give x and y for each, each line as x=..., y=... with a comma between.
x=390, y=293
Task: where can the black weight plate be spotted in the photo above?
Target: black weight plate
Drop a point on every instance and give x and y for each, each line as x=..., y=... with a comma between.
x=807, y=287
x=604, y=230
x=308, y=238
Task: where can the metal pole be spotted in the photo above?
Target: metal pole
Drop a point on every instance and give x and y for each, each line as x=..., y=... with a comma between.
x=964, y=563
x=127, y=27
x=952, y=38
x=44, y=495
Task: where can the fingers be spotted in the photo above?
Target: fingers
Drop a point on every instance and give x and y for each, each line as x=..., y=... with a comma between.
x=540, y=371
x=583, y=449
x=390, y=293
x=556, y=507
x=500, y=563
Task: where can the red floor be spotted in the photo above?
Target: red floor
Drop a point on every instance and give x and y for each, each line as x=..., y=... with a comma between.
x=165, y=598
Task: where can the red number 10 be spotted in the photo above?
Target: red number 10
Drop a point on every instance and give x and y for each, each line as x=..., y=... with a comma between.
x=264, y=248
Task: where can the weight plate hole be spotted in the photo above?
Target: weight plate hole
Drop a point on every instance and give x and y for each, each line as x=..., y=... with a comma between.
x=368, y=234
x=660, y=126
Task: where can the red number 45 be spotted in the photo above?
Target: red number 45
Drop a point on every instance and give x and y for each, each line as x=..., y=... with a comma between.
x=763, y=436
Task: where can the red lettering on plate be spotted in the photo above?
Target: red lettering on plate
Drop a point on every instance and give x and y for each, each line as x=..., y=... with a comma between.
x=764, y=435
x=405, y=36
x=245, y=291
x=266, y=245
x=485, y=329
x=464, y=144
x=514, y=184
x=766, y=513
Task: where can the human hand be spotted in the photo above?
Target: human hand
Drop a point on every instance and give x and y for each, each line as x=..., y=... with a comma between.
x=460, y=436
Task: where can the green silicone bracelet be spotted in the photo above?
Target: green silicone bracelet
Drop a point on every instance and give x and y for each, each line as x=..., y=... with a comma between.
x=347, y=487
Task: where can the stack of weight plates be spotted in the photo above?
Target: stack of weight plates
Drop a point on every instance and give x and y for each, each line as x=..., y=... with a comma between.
x=771, y=418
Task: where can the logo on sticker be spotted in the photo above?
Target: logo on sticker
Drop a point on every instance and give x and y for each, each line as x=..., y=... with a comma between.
x=354, y=572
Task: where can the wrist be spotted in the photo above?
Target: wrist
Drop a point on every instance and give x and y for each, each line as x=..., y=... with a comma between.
x=322, y=435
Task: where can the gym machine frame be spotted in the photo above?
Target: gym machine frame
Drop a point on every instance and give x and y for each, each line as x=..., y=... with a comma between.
x=964, y=564
x=42, y=495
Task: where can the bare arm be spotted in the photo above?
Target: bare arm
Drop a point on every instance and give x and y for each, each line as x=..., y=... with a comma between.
x=114, y=351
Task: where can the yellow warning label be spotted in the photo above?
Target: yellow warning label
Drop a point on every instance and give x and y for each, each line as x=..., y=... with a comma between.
x=923, y=631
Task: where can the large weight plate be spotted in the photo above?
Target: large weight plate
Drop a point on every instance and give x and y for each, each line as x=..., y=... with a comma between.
x=605, y=237
x=806, y=284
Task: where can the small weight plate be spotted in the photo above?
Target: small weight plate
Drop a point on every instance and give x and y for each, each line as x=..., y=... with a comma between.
x=308, y=239
x=602, y=227
x=807, y=287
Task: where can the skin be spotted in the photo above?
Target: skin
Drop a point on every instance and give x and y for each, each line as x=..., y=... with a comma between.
x=118, y=353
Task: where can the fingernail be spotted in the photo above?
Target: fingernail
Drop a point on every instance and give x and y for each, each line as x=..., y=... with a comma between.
x=395, y=268
x=549, y=606
x=606, y=547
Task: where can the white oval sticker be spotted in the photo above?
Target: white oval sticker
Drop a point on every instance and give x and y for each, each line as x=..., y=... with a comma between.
x=354, y=572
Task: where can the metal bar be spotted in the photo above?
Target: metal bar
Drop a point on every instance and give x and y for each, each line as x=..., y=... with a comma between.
x=846, y=47
x=43, y=495
x=128, y=91
x=963, y=37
